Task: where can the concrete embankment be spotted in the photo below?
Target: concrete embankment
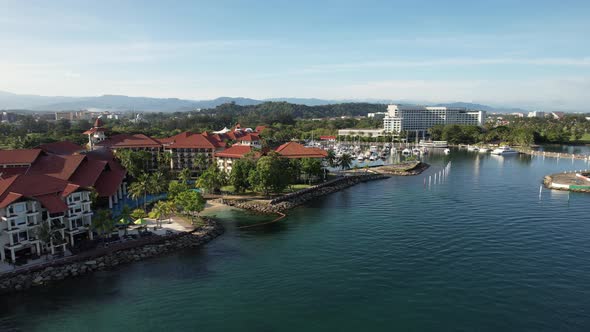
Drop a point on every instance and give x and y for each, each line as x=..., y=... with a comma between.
x=289, y=201
x=107, y=258
x=409, y=169
x=553, y=154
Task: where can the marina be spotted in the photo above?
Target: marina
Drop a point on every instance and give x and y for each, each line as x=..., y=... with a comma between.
x=466, y=246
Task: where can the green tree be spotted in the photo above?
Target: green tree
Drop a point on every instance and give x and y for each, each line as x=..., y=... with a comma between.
x=269, y=175
x=160, y=211
x=211, y=180
x=47, y=236
x=345, y=161
x=331, y=158
x=175, y=188
x=190, y=202
x=125, y=215
x=239, y=174
x=102, y=222
x=157, y=183
x=141, y=187
x=184, y=175
x=201, y=162
x=311, y=167
x=138, y=214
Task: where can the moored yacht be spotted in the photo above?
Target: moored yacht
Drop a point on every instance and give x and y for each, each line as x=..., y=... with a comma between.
x=447, y=151
x=504, y=150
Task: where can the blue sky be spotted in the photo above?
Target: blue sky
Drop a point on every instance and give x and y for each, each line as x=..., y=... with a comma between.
x=533, y=54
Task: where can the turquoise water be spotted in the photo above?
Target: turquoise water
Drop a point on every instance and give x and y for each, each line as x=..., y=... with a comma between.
x=481, y=251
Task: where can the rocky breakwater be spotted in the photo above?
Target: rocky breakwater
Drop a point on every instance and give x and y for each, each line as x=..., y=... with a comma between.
x=289, y=201
x=107, y=258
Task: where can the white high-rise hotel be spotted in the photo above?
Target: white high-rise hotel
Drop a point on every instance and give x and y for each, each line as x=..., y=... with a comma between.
x=419, y=118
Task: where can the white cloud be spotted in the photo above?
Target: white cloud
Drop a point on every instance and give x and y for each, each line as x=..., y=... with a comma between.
x=404, y=63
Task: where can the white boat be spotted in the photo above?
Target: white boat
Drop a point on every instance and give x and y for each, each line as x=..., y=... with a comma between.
x=484, y=150
x=360, y=158
x=447, y=151
x=373, y=148
x=433, y=144
x=406, y=151
x=372, y=157
x=504, y=150
x=472, y=148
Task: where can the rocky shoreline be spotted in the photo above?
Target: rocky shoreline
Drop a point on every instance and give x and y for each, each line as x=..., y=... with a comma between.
x=289, y=201
x=416, y=169
x=107, y=258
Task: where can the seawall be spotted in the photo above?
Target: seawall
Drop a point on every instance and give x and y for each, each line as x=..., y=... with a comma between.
x=107, y=258
x=289, y=201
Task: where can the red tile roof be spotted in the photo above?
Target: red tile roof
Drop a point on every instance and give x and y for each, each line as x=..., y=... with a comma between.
x=35, y=187
x=52, y=203
x=93, y=130
x=130, y=141
x=24, y=156
x=62, y=148
x=236, y=151
x=259, y=129
x=190, y=140
x=10, y=171
x=88, y=172
x=61, y=167
x=250, y=138
x=108, y=182
x=296, y=150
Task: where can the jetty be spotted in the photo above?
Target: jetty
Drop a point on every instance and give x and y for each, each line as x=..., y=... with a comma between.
x=577, y=181
x=553, y=154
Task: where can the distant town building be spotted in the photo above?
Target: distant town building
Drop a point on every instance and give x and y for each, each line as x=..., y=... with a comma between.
x=361, y=132
x=73, y=115
x=419, y=118
x=376, y=114
x=518, y=114
x=536, y=114
x=557, y=115
x=7, y=117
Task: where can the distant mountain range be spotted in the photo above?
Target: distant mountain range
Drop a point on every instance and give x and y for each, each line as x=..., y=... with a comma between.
x=11, y=101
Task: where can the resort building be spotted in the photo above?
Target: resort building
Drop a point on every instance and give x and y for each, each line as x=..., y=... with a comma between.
x=185, y=149
x=28, y=201
x=419, y=119
x=296, y=150
x=226, y=158
x=96, y=134
x=361, y=132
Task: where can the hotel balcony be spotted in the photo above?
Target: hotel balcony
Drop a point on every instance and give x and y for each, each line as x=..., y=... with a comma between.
x=22, y=243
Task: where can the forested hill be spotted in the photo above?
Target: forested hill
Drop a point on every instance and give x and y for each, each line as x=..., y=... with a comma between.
x=283, y=112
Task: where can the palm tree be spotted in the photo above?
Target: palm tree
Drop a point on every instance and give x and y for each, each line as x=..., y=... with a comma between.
x=331, y=158
x=47, y=235
x=345, y=161
x=201, y=162
x=125, y=215
x=158, y=183
x=160, y=211
x=184, y=175
x=141, y=186
x=102, y=222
